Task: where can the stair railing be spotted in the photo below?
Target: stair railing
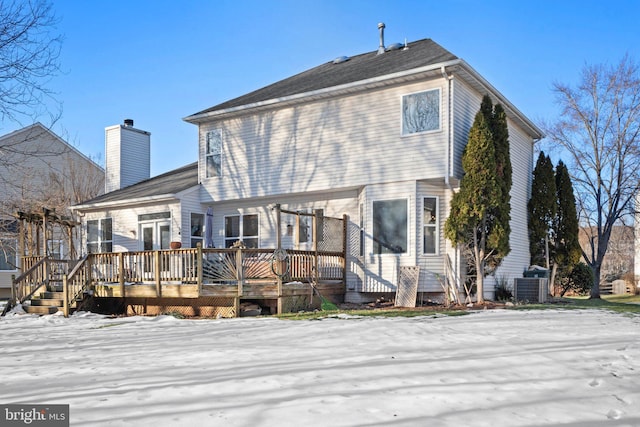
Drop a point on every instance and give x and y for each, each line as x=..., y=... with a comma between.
x=74, y=284
x=30, y=282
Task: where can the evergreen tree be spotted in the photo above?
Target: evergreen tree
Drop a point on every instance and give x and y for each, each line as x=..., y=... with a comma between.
x=472, y=221
x=542, y=211
x=501, y=213
x=567, y=246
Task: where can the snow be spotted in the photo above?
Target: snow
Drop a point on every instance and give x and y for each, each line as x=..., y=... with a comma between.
x=489, y=368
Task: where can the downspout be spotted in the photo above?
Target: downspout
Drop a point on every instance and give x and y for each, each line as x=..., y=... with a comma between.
x=449, y=149
x=448, y=154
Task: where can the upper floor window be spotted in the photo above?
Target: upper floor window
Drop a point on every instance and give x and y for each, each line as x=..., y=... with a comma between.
x=99, y=236
x=430, y=226
x=213, y=154
x=390, y=225
x=8, y=255
x=421, y=112
x=241, y=227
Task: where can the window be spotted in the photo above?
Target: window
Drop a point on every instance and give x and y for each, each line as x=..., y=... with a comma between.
x=421, y=112
x=99, y=236
x=197, y=229
x=8, y=255
x=390, y=223
x=213, y=154
x=154, y=216
x=241, y=227
x=430, y=226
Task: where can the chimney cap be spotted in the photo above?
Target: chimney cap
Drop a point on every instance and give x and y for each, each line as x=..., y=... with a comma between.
x=128, y=122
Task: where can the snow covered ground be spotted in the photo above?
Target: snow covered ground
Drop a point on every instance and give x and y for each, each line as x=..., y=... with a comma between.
x=490, y=368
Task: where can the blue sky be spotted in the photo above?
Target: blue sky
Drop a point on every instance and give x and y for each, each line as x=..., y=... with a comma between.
x=159, y=61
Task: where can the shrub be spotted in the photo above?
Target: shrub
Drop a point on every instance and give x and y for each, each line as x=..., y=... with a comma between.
x=503, y=292
x=580, y=279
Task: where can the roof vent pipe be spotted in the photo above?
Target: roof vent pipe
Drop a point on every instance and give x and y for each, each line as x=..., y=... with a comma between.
x=128, y=122
x=381, y=47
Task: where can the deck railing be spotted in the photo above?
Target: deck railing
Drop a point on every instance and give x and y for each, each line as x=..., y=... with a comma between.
x=193, y=266
x=205, y=266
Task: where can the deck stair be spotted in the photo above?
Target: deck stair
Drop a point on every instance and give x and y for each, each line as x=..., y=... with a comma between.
x=47, y=302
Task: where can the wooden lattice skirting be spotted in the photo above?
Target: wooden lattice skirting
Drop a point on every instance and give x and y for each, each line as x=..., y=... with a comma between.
x=189, y=307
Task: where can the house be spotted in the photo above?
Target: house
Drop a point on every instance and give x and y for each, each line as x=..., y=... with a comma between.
x=40, y=176
x=377, y=137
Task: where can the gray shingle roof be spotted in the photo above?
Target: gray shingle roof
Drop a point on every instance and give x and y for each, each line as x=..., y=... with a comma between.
x=361, y=67
x=168, y=183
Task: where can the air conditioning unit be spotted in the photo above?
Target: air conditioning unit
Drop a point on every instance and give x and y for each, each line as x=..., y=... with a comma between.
x=531, y=289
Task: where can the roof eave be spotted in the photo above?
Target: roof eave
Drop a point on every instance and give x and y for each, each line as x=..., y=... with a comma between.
x=533, y=130
x=126, y=202
x=349, y=87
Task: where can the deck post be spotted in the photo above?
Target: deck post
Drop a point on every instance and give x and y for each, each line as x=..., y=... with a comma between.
x=239, y=272
x=239, y=280
x=199, y=267
x=345, y=225
x=121, y=272
x=278, y=236
x=13, y=289
x=156, y=262
x=65, y=296
x=314, y=234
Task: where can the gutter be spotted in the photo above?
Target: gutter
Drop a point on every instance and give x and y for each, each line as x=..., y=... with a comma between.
x=127, y=202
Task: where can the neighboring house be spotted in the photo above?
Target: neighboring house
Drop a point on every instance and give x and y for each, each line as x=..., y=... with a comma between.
x=39, y=170
x=377, y=136
x=618, y=262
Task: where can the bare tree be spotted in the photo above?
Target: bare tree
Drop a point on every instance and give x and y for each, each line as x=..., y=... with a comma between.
x=29, y=57
x=599, y=128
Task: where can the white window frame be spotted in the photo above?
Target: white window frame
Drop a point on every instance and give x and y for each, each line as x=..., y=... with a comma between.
x=213, y=152
x=100, y=242
x=13, y=243
x=406, y=250
x=228, y=241
x=402, y=113
x=435, y=227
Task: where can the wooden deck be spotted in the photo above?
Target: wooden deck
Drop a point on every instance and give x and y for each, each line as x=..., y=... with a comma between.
x=192, y=281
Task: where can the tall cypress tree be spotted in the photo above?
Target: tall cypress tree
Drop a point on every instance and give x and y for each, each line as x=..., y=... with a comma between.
x=542, y=211
x=501, y=213
x=567, y=245
x=471, y=222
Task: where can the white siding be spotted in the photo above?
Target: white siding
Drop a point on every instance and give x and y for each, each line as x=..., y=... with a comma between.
x=466, y=103
x=190, y=203
x=125, y=224
x=127, y=156
x=340, y=143
x=521, y=150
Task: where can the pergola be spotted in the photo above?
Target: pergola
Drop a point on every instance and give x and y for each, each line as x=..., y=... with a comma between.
x=36, y=228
